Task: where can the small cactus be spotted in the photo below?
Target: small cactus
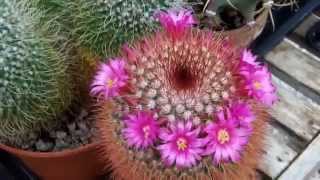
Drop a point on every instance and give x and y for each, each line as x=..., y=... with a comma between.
x=34, y=87
x=104, y=25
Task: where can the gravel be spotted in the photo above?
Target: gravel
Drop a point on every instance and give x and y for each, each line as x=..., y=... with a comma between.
x=74, y=130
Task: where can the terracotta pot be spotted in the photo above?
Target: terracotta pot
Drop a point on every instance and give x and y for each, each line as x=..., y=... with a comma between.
x=243, y=36
x=77, y=164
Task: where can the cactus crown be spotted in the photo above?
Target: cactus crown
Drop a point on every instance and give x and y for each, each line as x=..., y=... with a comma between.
x=33, y=81
x=104, y=25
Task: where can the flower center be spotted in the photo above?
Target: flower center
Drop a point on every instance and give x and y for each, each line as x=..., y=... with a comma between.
x=110, y=83
x=182, y=144
x=146, y=131
x=223, y=136
x=257, y=85
x=183, y=78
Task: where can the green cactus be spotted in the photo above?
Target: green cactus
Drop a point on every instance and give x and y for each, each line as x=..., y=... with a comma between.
x=34, y=87
x=104, y=25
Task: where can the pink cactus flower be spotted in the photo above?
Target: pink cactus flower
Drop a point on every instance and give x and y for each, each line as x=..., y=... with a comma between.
x=259, y=85
x=249, y=58
x=110, y=78
x=141, y=129
x=182, y=145
x=175, y=22
x=242, y=112
x=226, y=140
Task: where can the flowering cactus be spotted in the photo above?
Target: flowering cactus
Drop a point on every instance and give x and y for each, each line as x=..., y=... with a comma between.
x=34, y=87
x=185, y=105
x=103, y=26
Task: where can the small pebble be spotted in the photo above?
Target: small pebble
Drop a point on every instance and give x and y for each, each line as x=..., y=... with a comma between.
x=33, y=136
x=83, y=126
x=42, y=146
x=61, y=144
x=83, y=114
x=71, y=126
x=71, y=133
x=61, y=134
x=52, y=134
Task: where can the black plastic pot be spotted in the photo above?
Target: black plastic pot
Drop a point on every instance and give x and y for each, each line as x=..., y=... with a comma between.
x=286, y=19
x=313, y=36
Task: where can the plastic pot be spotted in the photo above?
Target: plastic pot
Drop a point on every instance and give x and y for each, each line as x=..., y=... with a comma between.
x=77, y=164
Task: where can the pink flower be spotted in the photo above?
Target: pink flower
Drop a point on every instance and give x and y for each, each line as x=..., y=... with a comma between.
x=249, y=58
x=248, y=62
x=175, y=22
x=242, y=112
x=182, y=145
x=141, y=129
x=226, y=140
x=259, y=86
x=109, y=79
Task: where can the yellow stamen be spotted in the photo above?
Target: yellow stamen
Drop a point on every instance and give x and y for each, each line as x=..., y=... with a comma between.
x=223, y=136
x=146, y=131
x=182, y=144
x=257, y=85
x=110, y=83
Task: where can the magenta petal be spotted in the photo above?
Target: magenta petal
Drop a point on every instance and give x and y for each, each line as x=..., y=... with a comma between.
x=249, y=58
x=176, y=21
x=109, y=79
x=141, y=129
x=259, y=85
x=181, y=161
x=225, y=137
x=182, y=143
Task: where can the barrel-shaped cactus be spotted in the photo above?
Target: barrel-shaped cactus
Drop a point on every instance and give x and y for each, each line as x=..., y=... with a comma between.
x=104, y=25
x=182, y=104
x=34, y=87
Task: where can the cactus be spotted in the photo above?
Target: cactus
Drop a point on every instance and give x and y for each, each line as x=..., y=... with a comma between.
x=34, y=86
x=104, y=25
x=182, y=103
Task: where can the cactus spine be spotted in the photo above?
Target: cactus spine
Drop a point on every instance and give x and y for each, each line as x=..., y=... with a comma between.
x=34, y=87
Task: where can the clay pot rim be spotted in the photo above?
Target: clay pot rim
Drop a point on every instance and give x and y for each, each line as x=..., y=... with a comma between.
x=63, y=153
